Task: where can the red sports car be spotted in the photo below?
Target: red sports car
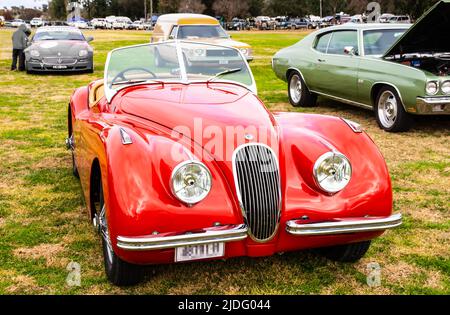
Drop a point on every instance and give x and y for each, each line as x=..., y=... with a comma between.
x=179, y=162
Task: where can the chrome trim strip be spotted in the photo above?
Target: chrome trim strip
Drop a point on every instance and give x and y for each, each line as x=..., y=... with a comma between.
x=343, y=100
x=391, y=85
x=206, y=236
x=346, y=226
x=435, y=100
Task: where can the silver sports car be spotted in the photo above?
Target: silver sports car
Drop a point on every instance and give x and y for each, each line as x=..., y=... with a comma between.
x=59, y=48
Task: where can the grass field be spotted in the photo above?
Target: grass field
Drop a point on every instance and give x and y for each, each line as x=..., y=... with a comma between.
x=44, y=225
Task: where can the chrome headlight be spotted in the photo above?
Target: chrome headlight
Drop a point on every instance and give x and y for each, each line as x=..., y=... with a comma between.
x=332, y=172
x=198, y=52
x=445, y=87
x=191, y=182
x=244, y=51
x=82, y=53
x=432, y=87
x=34, y=53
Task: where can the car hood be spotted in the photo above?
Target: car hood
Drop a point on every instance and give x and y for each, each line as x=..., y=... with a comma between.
x=223, y=42
x=200, y=110
x=60, y=47
x=428, y=34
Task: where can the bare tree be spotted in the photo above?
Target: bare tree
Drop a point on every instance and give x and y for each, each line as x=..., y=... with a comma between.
x=168, y=6
x=231, y=8
x=191, y=6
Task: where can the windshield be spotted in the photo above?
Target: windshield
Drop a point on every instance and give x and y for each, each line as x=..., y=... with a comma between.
x=58, y=35
x=377, y=42
x=175, y=61
x=201, y=31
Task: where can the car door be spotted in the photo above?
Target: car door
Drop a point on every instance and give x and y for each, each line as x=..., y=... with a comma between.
x=338, y=70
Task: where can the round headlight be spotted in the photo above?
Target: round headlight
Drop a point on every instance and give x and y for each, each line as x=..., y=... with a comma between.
x=191, y=182
x=82, y=53
x=34, y=53
x=198, y=52
x=332, y=172
x=244, y=51
x=432, y=87
x=445, y=87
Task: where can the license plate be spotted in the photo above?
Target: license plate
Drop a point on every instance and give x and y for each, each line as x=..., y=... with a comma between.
x=196, y=252
x=59, y=67
x=223, y=62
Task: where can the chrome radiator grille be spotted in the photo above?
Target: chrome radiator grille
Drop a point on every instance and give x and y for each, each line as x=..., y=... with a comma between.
x=257, y=180
x=59, y=60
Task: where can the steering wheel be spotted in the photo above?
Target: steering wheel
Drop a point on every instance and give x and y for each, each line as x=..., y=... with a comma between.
x=121, y=75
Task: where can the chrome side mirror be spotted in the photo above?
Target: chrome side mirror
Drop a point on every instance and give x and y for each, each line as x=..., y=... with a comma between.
x=171, y=37
x=89, y=39
x=350, y=50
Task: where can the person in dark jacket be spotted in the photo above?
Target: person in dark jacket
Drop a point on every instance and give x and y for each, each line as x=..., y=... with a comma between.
x=20, y=41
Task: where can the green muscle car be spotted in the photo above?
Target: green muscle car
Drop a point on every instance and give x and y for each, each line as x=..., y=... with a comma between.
x=397, y=70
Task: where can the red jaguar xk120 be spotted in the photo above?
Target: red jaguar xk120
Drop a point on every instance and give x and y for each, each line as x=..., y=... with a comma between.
x=179, y=160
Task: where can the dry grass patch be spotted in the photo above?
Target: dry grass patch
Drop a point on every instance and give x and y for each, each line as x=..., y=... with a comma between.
x=49, y=252
x=22, y=284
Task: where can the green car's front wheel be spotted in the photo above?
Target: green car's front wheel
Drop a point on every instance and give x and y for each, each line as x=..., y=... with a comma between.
x=389, y=111
x=299, y=94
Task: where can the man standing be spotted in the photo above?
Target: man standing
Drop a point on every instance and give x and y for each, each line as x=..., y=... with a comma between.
x=20, y=40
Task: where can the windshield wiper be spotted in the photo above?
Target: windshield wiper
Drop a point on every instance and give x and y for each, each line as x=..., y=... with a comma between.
x=137, y=81
x=220, y=74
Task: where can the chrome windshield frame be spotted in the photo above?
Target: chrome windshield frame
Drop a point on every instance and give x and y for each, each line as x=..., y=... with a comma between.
x=110, y=93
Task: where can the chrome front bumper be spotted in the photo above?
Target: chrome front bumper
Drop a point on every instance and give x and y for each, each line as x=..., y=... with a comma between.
x=438, y=105
x=349, y=225
x=222, y=234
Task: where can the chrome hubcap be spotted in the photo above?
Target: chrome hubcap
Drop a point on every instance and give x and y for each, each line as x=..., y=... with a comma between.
x=295, y=88
x=103, y=230
x=387, y=109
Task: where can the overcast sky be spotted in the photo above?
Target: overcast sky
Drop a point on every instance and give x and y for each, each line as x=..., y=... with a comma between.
x=25, y=3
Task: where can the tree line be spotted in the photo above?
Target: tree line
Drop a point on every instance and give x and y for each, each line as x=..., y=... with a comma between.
x=237, y=8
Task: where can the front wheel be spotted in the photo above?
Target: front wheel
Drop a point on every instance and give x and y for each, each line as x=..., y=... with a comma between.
x=299, y=94
x=389, y=111
x=346, y=253
x=119, y=272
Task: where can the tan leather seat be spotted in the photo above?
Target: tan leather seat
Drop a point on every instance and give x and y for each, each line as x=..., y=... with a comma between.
x=96, y=92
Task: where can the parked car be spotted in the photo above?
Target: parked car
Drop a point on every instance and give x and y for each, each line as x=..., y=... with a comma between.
x=80, y=24
x=137, y=25
x=299, y=23
x=327, y=21
x=59, y=48
x=99, y=23
x=238, y=25
x=196, y=27
x=289, y=182
x=283, y=23
x=265, y=23
x=37, y=22
x=358, y=19
x=384, y=18
x=400, y=19
x=122, y=23
x=17, y=22
x=396, y=70
x=58, y=23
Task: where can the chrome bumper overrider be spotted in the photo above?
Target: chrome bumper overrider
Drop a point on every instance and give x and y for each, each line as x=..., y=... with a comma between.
x=223, y=234
x=351, y=225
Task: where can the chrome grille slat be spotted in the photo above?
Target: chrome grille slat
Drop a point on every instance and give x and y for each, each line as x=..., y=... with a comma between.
x=257, y=181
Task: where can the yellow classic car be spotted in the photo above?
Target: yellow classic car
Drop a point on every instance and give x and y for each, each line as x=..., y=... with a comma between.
x=198, y=28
